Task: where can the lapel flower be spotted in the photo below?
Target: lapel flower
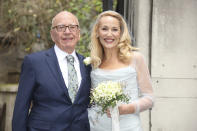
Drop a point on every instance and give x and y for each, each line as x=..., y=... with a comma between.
x=87, y=61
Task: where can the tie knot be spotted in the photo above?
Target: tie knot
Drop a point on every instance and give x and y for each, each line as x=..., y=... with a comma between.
x=70, y=58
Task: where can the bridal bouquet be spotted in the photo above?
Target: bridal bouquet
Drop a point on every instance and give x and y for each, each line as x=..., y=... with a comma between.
x=108, y=95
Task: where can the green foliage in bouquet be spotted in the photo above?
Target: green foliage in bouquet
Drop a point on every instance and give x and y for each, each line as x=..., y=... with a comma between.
x=26, y=22
x=108, y=94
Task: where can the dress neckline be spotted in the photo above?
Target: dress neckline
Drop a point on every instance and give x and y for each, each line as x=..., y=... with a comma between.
x=112, y=70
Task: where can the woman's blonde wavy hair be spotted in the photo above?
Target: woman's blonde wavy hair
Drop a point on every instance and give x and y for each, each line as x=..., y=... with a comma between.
x=124, y=45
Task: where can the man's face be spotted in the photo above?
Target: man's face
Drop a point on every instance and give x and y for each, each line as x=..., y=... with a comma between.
x=65, y=31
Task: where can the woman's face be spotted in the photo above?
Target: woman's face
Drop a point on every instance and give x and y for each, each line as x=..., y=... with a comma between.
x=109, y=32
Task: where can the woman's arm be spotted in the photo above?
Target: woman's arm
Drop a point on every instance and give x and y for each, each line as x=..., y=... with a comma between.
x=145, y=100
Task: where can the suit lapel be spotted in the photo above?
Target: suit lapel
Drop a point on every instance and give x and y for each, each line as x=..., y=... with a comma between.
x=55, y=69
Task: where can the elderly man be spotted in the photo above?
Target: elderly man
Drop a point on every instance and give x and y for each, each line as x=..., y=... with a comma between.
x=56, y=81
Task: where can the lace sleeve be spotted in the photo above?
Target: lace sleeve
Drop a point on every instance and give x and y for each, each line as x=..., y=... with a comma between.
x=145, y=100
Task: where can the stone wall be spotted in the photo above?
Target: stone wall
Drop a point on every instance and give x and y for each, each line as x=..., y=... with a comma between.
x=11, y=59
x=7, y=96
x=10, y=63
x=165, y=31
x=173, y=65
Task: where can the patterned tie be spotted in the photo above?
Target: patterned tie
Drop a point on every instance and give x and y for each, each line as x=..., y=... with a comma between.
x=72, y=78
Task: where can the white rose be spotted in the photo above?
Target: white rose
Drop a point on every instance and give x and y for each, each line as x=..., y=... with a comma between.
x=87, y=61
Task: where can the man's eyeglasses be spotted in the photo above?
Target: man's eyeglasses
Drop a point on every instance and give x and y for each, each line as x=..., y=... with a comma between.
x=62, y=28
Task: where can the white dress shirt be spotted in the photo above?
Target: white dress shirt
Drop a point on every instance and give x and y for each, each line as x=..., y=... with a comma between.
x=61, y=57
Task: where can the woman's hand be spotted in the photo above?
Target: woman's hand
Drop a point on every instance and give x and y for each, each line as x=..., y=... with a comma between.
x=126, y=109
x=123, y=109
x=108, y=113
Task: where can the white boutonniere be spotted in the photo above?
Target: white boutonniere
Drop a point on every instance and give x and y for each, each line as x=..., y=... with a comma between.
x=87, y=61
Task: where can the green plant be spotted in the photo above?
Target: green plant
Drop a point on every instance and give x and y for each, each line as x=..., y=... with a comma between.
x=26, y=22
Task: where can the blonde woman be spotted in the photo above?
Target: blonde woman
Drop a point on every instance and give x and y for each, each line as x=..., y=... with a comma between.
x=114, y=59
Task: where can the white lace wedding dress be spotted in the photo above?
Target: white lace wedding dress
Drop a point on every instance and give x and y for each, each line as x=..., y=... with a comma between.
x=138, y=87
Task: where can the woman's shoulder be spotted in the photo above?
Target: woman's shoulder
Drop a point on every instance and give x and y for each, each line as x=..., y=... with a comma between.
x=137, y=56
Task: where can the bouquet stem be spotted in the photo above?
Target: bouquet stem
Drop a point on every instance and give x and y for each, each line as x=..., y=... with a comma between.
x=115, y=118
